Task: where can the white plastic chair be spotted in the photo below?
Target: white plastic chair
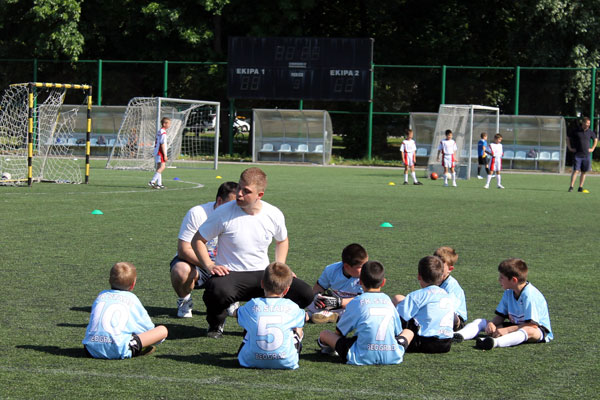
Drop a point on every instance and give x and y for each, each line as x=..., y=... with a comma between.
x=267, y=147
x=509, y=155
x=521, y=155
x=545, y=155
x=422, y=152
x=555, y=156
x=318, y=148
x=285, y=148
x=302, y=148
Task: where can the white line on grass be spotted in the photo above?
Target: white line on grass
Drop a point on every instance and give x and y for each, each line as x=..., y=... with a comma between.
x=148, y=190
x=208, y=381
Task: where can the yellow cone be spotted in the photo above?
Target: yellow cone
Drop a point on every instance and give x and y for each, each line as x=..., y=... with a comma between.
x=391, y=184
x=219, y=177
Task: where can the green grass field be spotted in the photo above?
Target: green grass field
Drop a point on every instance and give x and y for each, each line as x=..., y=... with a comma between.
x=56, y=256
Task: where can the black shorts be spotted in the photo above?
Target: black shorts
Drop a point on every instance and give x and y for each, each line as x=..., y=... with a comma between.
x=423, y=344
x=203, y=274
x=482, y=160
x=581, y=163
x=135, y=344
x=343, y=345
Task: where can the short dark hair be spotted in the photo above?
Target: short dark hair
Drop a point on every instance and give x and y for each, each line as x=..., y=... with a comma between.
x=226, y=189
x=431, y=270
x=514, y=268
x=277, y=277
x=353, y=254
x=498, y=136
x=447, y=132
x=372, y=274
x=483, y=134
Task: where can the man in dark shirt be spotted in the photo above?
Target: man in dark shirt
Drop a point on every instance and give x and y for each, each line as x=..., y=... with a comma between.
x=578, y=142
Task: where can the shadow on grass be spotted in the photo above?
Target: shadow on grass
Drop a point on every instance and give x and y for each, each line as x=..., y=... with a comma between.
x=152, y=311
x=72, y=325
x=224, y=360
x=74, y=352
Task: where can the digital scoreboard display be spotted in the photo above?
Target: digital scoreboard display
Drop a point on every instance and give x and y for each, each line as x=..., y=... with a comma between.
x=283, y=68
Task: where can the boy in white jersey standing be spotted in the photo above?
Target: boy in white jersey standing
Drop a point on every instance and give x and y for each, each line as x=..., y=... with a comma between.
x=522, y=304
x=408, y=149
x=447, y=148
x=160, y=153
x=496, y=152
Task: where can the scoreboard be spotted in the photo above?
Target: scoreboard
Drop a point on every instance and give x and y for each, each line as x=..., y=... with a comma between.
x=286, y=68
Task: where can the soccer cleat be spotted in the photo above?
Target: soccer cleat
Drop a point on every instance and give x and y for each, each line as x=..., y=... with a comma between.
x=326, y=349
x=215, y=332
x=323, y=317
x=457, y=338
x=570, y=189
x=500, y=187
x=580, y=189
x=445, y=185
x=405, y=183
x=147, y=350
x=417, y=183
x=159, y=187
x=485, y=343
x=151, y=184
x=454, y=184
x=231, y=309
x=486, y=187
x=184, y=308
x=479, y=177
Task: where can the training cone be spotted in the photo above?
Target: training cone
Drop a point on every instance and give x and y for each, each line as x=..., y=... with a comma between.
x=97, y=212
x=219, y=177
x=391, y=184
x=386, y=225
x=585, y=191
x=175, y=179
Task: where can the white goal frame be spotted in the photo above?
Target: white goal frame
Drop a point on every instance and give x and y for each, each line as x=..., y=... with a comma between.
x=134, y=145
x=461, y=119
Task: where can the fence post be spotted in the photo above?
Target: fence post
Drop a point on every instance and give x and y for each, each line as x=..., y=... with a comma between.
x=230, y=125
x=99, y=95
x=165, y=78
x=443, y=99
x=370, y=137
x=593, y=96
x=517, y=88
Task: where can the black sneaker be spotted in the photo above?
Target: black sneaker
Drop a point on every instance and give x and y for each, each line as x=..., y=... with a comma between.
x=417, y=183
x=570, y=188
x=457, y=338
x=485, y=343
x=580, y=189
x=405, y=183
x=215, y=332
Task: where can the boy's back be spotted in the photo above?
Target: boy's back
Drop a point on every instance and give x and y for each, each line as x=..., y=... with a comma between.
x=453, y=288
x=377, y=324
x=116, y=315
x=432, y=308
x=530, y=306
x=269, y=339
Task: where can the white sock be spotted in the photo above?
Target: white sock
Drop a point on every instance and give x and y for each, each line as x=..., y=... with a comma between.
x=414, y=176
x=489, y=179
x=186, y=297
x=159, y=180
x=472, y=329
x=155, y=177
x=512, y=339
x=454, y=177
x=445, y=179
x=499, y=177
x=405, y=177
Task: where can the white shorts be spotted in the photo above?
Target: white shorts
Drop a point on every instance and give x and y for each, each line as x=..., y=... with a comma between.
x=159, y=158
x=448, y=161
x=409, y=159
x=496, y=164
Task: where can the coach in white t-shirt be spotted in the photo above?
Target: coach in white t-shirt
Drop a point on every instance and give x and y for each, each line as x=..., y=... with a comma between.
x=245, y=229
x=186, y=273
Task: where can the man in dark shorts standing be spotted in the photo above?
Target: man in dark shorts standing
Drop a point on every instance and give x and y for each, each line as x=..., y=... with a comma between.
x=578, y=142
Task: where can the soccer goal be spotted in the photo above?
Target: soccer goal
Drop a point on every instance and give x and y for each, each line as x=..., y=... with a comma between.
x=36, y=132
x=192, y=139
x=466, y=123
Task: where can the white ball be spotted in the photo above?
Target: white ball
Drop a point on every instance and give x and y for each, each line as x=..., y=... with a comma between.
x=6, y=176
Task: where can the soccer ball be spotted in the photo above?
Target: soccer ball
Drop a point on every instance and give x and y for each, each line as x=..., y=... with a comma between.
x=433, y=176
x=6, y=176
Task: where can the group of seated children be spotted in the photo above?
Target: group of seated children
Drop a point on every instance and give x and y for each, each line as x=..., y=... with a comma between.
x=427, y=320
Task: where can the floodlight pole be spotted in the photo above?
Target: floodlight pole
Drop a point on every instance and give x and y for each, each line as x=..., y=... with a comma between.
x=370, y=138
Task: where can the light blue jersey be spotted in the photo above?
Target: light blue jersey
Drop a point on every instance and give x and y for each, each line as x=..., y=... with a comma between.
x=432, y=308
x=531, y=306
x=452, y=286
x=269, y=340
x=116, y=315
x=333, y=278
x=377, y=324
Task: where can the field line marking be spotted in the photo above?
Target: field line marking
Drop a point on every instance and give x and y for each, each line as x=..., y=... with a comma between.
x=147, y=190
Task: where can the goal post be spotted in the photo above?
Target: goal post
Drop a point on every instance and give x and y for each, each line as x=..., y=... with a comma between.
x=35, y=134
x=192, y=138
x=466, y=122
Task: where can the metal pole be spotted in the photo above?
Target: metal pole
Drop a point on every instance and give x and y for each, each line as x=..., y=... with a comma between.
x=370, y=137
x=165, y=78
x=99, y=96
x=443, y=99
x=30, y=136
x=593, y=96
x=517, y=88
x=230, y=129
x=88, y=135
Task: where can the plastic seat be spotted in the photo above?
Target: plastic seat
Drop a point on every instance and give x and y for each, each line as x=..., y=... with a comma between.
x=302, y=148
x=72, y=141
x=111, y=142
x=521, y=155
x=422, y=152
x=545, y=155
x=555, y=156
x=318, y=148
x=94, y=142
x=285, y=148
x=267, y=147
x=509, y=155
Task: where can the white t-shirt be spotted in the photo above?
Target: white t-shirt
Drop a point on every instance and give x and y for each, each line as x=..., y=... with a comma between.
x=244, y=239
x=161, y=137
x=192, y=221
x=447, y=146
x=408, y=146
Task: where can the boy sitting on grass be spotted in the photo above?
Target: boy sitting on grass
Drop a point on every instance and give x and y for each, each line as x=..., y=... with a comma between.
x=449, y=284
x=120, y=326
x=379, y=338
x=429, y=311
x=337, y=286
x=522, y=304
x=272, y=325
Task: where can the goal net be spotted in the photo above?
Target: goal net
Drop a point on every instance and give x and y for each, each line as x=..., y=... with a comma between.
x=35, y=135
x=466, y=122
x=192, y=139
